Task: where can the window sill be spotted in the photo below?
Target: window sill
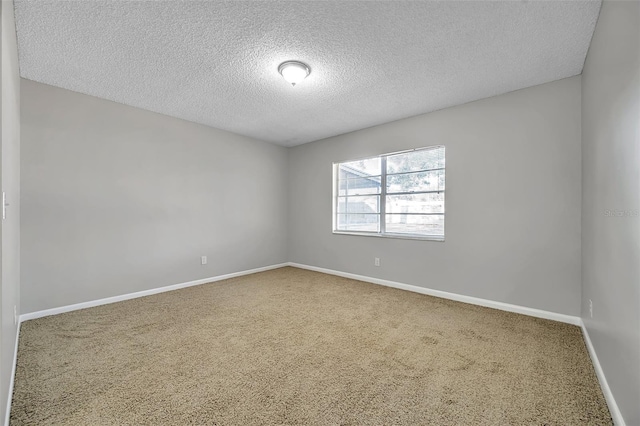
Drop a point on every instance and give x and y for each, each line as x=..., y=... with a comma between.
x=396, y=236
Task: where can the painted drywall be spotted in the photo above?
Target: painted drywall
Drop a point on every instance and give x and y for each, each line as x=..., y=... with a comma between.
x=117, y=199
x=10, y=149
x=512, y=201
x=611, y=200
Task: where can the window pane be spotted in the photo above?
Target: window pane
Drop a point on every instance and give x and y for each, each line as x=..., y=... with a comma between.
x=416, y=203
x=421, y=181
x=359, y=186
x=415, y=224
x=360, y=204
x=413, y=161
x=359, y=222
x=360, y=168
x=413, y=194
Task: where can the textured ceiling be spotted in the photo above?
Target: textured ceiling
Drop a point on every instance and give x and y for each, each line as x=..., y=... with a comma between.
x=216, y=63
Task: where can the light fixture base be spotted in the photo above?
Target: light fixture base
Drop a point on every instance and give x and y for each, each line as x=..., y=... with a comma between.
x=294, y=71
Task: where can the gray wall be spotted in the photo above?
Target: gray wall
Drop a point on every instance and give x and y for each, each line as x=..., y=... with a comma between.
x=512, y=201
x=10, y=229
x=117, y=200
x=611, y=187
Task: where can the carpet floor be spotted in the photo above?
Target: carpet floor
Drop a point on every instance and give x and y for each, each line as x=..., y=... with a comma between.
x=294, y=347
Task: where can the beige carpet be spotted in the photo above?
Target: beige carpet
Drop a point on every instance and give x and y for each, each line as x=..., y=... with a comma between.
x=295, y=347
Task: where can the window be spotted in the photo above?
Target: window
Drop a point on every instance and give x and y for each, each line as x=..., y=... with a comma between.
x=392, y=195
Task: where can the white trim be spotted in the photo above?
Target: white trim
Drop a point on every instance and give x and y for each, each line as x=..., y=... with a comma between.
x=105, y=301
x=613, y=407
x=616, y=415
x=569, y=319
x=391, y=235
x=13, y=376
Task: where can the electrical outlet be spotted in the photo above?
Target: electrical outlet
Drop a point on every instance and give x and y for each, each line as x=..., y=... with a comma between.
x=590, y=308
x=203, y=260
x=15, y=315
x=376, y=261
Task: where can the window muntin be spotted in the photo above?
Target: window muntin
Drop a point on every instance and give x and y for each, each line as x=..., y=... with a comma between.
x=405, y=189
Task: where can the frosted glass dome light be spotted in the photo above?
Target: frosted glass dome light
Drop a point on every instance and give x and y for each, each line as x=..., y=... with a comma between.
x=294, y=72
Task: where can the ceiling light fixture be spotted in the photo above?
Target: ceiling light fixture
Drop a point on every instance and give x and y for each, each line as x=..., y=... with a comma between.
x=294, y=72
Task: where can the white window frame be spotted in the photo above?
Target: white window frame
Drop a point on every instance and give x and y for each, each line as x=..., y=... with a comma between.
x=383, y=195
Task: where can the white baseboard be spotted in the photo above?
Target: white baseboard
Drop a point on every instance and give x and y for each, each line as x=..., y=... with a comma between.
x=574, y=320
x=105, y=301
x=452, y=296
x=616, y=415
x=13, y=376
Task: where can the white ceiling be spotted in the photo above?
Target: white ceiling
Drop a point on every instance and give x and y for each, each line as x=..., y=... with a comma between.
x=216, y=63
